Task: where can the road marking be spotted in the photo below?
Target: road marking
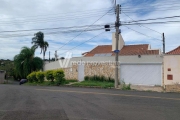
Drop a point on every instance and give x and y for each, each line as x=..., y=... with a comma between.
x=98, y=93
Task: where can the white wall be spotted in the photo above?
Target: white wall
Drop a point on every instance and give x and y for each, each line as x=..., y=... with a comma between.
x=172, y=62
x=121, y=42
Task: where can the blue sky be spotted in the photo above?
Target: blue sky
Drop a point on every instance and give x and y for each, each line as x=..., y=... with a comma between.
x=34, y=14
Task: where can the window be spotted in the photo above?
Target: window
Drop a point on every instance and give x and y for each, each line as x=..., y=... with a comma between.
x=169, y=69
x=170, y=77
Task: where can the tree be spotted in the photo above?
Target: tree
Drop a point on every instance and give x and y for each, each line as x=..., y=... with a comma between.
x=25, y=62
x=38, y=41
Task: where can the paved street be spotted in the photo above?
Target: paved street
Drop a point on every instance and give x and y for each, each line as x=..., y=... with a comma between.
x=57, y=103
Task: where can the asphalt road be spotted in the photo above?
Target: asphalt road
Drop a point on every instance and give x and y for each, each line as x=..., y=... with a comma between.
x=59, y=103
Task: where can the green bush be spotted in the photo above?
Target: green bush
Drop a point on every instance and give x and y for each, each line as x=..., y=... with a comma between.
x=49, y=75
x=59, y=76
x=86, y=78
x=124, y=86
x=30, y=80
x=40, y=76
x=32, y=77
x=110, y=79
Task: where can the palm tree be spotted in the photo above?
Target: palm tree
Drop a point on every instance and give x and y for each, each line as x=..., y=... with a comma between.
x=38, y=41
x=25, y=62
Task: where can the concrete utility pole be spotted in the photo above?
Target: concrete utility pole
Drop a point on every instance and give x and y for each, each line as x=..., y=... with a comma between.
x=163, y=43
x=117, y=24
x=49, y=56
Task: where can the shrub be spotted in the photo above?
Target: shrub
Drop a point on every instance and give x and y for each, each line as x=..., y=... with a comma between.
x=32, y=77
x=49, y=75
x=125, y=87
x=29, y=78
x=98, y=78
x=102, y=78
x=59, y=76
x=86, y=78
x=40, y=77
x=110, y=79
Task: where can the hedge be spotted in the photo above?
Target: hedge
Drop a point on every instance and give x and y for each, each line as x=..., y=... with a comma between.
x=59, y=76
x=38, y=77
x=49, y=75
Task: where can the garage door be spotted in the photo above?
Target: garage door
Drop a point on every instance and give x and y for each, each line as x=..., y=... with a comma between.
x=141, y=74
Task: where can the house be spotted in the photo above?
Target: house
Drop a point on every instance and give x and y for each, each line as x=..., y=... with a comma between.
x=138, y=64
x=172, y=67
x=106, y=50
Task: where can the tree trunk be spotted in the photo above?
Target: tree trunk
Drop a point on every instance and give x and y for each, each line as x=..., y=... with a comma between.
x=43, y=54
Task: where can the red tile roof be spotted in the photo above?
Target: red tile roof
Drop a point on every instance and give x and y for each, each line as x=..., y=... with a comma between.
x=126, y=50
x=176, y=51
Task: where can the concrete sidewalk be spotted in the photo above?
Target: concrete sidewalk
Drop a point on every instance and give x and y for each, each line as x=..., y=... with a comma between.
x=147, y=88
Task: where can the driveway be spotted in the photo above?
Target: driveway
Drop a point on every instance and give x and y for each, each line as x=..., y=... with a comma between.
x=58, y=103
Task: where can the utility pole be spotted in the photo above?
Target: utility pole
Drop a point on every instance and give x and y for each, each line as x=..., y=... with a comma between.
x=163, y=43
x=163, y=39
x=117, y=24
x=49, y=56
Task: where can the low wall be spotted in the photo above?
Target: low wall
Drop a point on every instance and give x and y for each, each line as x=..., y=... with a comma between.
x=70, y=66
x=101, y=69
x=172, y=88
x=71, y=72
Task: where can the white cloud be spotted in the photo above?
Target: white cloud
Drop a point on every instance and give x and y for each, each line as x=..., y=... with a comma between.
x=20, y=14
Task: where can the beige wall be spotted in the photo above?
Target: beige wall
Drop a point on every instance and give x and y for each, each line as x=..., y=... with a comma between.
x=102, y=69
x=172, y=62
x=71, y=73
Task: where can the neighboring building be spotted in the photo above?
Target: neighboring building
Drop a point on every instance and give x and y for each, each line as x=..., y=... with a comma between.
x=172, y=67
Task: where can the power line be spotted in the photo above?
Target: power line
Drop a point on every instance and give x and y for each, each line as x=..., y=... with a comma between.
x=83, y=42
x=153, y=23
x=152, y=5
x=50, y=33
x=64, y=13
x=142, y=33
x=51, y=28
x=160, y=18
x=141, y=25
x=140, y=11
x=52, y=20
x=86, y=28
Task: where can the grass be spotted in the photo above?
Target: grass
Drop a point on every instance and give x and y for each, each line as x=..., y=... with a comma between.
x=90, y=83
x=70, y=81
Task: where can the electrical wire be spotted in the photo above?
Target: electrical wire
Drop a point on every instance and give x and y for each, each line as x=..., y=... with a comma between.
x=172, y=22
x=50, y=33
x=86, y=28
x=141, y=25
x=64, y=13
x=83, y=42
x=160, y=18
x=142, y=33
